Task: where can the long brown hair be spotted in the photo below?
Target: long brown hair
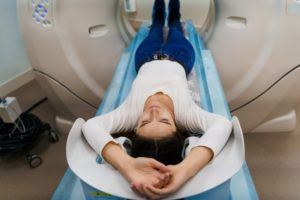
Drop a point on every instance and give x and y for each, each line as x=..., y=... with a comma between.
x=167, y=150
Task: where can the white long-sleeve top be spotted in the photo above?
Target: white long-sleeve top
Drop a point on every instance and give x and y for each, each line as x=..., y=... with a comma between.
x=169, y=78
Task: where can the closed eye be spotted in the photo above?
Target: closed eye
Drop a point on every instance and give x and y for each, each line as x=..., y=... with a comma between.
x=143, y=123
x=165, y=121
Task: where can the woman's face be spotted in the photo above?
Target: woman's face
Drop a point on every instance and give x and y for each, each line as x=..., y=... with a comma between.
x=157, y=120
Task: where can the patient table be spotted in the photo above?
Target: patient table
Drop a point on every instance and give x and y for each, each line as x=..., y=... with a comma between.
x=231, y=181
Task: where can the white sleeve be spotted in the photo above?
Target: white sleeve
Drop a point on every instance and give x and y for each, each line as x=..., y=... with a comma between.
x=216, y=129
x=98, y=130
x=125, y=144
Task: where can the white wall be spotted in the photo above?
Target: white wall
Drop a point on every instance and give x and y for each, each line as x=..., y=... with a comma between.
x=14, y=62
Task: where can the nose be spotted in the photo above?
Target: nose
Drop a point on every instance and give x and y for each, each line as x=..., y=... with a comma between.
x=154, y=112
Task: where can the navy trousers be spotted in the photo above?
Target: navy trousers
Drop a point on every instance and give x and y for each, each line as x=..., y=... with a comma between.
x=175, y=48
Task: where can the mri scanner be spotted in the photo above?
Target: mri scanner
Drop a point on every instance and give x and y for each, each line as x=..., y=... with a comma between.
x=74, y=46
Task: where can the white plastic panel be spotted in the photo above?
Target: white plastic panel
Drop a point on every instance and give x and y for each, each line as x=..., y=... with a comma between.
x=252, y=58
x=275, y=103
x=105, y=178
x=284, y=123
x=80, y=49
x=58, y=95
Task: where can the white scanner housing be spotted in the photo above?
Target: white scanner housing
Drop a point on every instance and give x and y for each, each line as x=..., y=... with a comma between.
x=76, y=45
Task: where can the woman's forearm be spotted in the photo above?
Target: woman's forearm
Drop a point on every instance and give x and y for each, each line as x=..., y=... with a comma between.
x=196, y=160
x=113, y=154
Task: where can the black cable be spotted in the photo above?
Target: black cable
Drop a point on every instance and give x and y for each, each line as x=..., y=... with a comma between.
x=65, y=87
x=265, y=91
x=13, y=139
x=36, y=105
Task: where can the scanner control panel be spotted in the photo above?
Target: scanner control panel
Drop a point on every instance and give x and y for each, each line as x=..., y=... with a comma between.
x=41, y=12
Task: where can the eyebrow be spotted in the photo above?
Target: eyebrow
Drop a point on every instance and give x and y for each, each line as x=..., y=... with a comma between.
x=143, y=124
x=166, y=121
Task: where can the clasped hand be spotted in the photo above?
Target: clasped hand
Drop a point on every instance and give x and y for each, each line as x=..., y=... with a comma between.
x=153, y=179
